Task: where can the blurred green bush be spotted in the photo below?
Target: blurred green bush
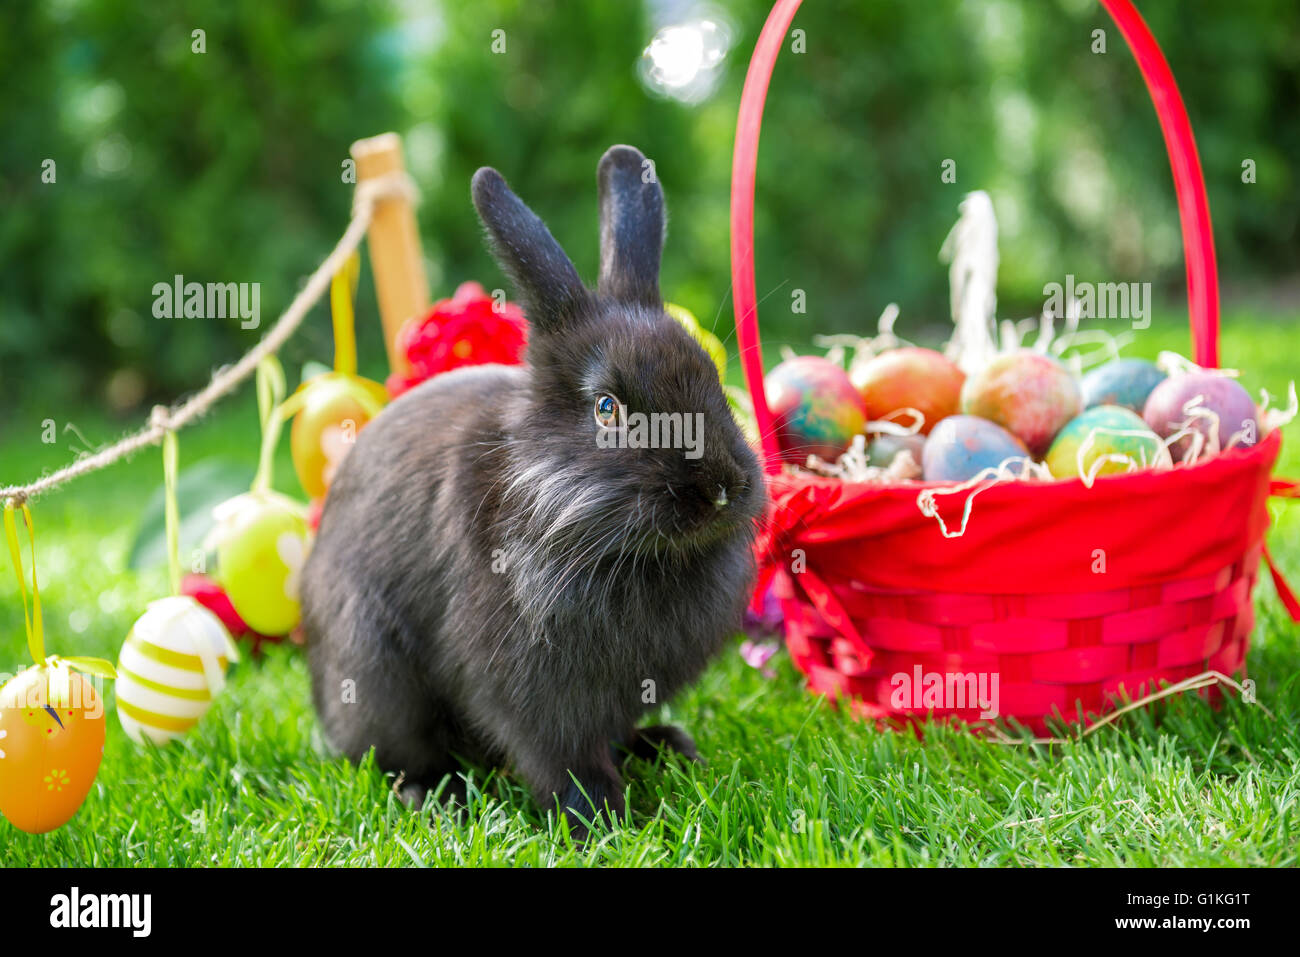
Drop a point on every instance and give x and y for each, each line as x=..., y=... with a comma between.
x=226, y=165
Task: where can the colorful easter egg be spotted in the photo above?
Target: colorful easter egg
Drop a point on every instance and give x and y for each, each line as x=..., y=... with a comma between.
x=51, y=743
x=1029, y=394
x=1122, y=382
x=961, y=446
x=910, y=377
x=1173, y=404
x=172, y=665
x=882, y=450
x=261, y=543
x=707, y=340
x=1115, y=431
x=815, y=408
x=334, y=408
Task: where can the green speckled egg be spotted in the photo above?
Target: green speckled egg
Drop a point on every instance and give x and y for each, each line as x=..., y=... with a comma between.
x=1102, y=421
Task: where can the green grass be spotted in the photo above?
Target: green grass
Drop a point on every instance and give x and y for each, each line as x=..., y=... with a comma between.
x=789, y=780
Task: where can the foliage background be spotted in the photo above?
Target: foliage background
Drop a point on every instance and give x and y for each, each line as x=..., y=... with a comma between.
x=226, y=166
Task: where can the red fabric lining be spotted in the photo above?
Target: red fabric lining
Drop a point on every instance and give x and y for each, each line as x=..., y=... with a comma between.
x=1160, y=529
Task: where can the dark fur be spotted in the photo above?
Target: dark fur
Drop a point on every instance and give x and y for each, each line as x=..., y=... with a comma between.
x=618, y=566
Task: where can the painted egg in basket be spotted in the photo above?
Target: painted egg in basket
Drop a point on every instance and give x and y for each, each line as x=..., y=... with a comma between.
x=51, y=743
x=815, y=407
x=1029, y=394
x=1120, y=442
x=882, y=450
x=1228, y=407
x=1122, y=382
x=910, y=377
x=961, y=446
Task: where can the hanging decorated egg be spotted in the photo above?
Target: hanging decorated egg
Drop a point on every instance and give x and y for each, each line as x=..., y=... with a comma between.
x=51, y=744
x=1029, y=394
x=910, y=377
x=1122, y=382
x=331, y=409
x=1203, y=401
x=962, y=446
x=1114, y=431
x=261, y=541
x=815, y=408
x=707, y=340
x=172, y=665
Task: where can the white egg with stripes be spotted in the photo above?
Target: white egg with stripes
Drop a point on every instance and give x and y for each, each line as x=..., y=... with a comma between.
x=172, y=665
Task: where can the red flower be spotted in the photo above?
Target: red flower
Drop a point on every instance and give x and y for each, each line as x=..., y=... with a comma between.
x=466, y=330
x=314, y=508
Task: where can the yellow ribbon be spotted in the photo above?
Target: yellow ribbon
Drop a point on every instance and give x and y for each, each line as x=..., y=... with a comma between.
x=58, y=666
x=342, y=289
x=36, y=629
x=171, y=510
x=270, y=395
x=371, y=396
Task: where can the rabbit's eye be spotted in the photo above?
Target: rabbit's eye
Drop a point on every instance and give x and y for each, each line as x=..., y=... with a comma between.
x=607, y=411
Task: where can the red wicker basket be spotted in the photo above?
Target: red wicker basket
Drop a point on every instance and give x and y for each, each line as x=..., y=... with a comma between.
x=1072, y=597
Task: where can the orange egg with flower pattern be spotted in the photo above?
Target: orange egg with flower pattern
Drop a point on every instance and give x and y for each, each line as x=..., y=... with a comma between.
x=51, y=743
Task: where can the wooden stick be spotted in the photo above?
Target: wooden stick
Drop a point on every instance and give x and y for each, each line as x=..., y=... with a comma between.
x=396, y=260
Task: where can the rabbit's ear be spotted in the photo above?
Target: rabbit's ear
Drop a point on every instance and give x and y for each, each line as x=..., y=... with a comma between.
x=631, y=226
x=526, y=250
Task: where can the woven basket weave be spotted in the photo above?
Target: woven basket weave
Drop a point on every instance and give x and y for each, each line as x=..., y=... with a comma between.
x=878, y=592
x=1057, y=655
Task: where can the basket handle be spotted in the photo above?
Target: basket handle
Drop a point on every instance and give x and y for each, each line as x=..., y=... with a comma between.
x=1193, y=207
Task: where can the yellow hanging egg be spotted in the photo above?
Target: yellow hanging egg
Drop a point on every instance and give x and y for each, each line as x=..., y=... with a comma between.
x=261, y=543
x=334, y=409
x=51, y=743
x=707, y=340
x=172, y=665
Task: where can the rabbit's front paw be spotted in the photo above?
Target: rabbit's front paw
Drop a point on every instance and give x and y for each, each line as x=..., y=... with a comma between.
x=590, y=794
x=449, y=792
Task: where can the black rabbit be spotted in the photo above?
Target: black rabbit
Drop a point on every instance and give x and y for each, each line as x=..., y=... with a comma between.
x=508, y=570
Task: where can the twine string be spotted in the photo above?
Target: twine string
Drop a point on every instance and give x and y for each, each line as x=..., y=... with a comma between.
x=342, y=288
